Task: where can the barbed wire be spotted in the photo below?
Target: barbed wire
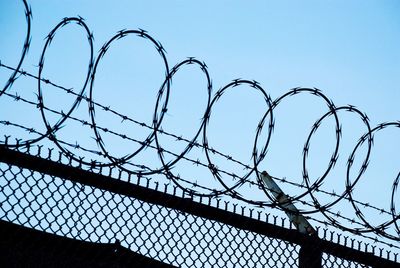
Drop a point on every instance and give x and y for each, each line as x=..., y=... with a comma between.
x=325, y=223
x=16, y=97
x=266, y=124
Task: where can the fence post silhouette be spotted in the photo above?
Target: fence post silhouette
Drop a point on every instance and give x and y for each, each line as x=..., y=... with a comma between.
x=310, y=256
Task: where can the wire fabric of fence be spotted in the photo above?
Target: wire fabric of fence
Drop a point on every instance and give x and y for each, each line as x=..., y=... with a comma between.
x=71, y=207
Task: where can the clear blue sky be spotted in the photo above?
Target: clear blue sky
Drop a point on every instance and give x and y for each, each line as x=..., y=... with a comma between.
x=348, y=49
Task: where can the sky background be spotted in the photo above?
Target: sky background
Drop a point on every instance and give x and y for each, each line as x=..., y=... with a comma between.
x=348, y=49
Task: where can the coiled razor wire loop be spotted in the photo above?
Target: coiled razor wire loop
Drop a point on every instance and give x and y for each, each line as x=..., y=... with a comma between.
x=212, y=167
x=380, y=229
x=364, y=119
x=157, y=119
x=25, y=48
x=318, y=182
x=51, y=130
x=308, y=187
x=167, y=166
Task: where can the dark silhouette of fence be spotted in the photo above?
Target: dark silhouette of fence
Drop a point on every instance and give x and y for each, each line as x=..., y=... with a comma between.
x=140, y=225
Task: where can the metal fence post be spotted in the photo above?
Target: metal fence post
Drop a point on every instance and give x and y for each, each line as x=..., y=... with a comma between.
x=310, y=256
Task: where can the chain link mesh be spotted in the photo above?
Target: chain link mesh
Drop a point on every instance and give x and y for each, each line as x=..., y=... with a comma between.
x=333, y=261
x=70, y=209
x=64, y=217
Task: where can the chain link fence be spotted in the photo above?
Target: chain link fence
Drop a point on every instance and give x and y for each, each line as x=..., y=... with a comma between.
x=156, y=227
